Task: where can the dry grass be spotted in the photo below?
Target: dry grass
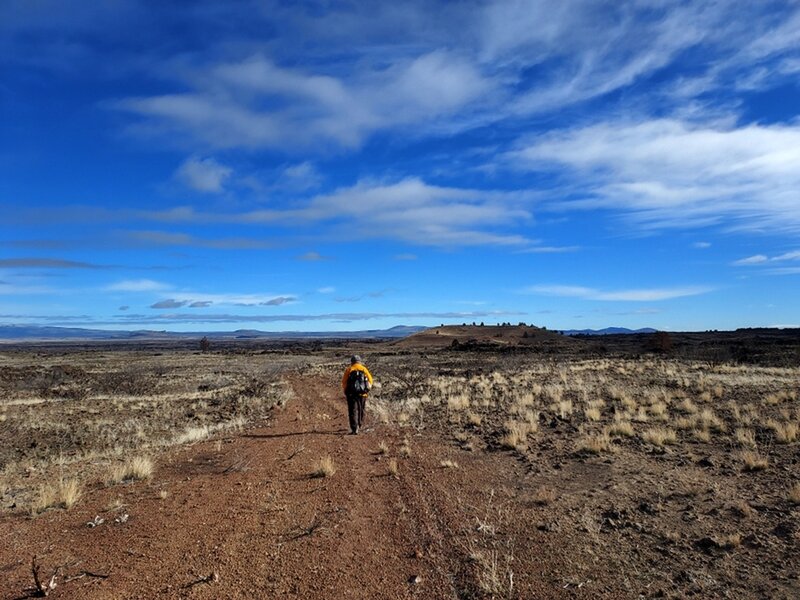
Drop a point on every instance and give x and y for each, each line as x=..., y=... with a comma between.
x=392, y=467
x=405, y=449
x=163, y=494
x=134, y=469
x=621, y=428
x=474, y=419
x=324, y=467
x=702, y=435
x=595, y=443
x=794, y=494
x=785, y=433
x=383, y=448
x=64, y=494
x=564, y=408
x=753, y=461
x=660, y=436
x=745, y=438
x=592, y=414
x=516, y=436
x=543, y=496
x=729, y=542
x=448, y=464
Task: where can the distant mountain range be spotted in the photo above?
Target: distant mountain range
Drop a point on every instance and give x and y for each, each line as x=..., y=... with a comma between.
x=37, y=332
x=608, y=331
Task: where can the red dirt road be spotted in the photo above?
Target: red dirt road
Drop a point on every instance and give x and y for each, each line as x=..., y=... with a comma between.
x=243, y=518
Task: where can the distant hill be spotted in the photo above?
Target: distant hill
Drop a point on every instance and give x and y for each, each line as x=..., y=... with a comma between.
x=484, y=336
x=36, y=332
x=608, y=331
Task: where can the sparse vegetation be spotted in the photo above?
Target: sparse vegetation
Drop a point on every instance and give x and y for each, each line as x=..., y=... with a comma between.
x=794, y=494
x=324, y=467
x=753, y=460
x=595, y=443
x=659, y=436
x=134, y=469
x=62, y=494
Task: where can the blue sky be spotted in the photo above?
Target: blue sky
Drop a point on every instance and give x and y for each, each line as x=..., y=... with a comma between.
x=352, y=165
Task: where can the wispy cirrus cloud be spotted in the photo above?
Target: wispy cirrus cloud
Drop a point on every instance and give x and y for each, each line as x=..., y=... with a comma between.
x=666, y=173
x=334, y=317
x=627, y=295
x=47, y=263
x=172, y=238
x=763, y=259
x=408, y=210
x=137, y=285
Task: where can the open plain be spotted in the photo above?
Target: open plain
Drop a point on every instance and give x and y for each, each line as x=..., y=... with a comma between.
x=499, y=462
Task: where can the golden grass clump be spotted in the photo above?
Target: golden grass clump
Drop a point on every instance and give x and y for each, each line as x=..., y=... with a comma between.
x=474, y=419
x=516, y=436
x=708, y=420
x=659, y=411
x=392, y=467
x=383, y=448
x=702, y=435
x=660, y=436
x=448, y=464
x=324, y=467
x=595, y=443
x=65, y=494
x=746, y=438
x=785, y=433
x=621, y=428
x=564, y=408
x=134, y=469
x=592, y=414
x=687, y=406
x=753, y=461
x=458, y=402
x=794, y=494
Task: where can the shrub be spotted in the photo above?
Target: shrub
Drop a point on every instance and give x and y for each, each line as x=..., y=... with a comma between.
x=324, y=467
x=134, y=469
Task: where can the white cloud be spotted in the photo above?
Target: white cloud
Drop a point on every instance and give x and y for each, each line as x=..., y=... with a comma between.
x=630, y=295
x=701, y=245
x=326, y=290
x=256, y=103
x=668, y=173
x=203, y=174
x=202, y=300
x=409, y=210
x=549, y=249
x=763, y=259
x=137, y=285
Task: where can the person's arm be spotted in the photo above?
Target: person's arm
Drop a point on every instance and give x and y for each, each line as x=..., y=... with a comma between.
x=344, y=378
x=369, y=377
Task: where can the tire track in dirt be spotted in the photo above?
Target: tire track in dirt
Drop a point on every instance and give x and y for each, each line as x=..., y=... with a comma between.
x=246, y=515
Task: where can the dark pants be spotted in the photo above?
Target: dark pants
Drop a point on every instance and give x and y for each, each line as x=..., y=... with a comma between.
x=355, y=410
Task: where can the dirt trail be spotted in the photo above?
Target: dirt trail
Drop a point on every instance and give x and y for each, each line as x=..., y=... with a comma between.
x=243, y=518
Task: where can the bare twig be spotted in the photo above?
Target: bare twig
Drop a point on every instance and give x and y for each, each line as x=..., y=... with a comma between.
x=41, y=589
x=85, y=574
x=296, y=451
x=306, y=531
x=210, y=578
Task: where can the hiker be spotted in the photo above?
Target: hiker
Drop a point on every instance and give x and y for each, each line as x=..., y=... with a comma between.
x=356, y=383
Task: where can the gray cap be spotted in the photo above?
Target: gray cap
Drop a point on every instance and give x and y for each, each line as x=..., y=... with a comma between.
x=355, y=359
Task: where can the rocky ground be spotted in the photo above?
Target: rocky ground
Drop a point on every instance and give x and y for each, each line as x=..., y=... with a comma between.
x=480, y=476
